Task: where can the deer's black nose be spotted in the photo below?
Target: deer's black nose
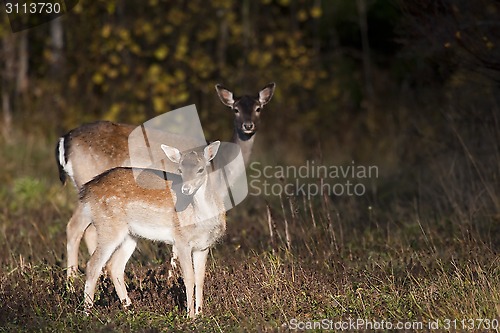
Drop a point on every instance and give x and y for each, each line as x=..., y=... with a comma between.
x=248, y=126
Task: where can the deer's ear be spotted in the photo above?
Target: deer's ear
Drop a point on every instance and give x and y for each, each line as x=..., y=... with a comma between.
x=266, y=93
x=211, y=150
x=225, y=95
x=172, y=153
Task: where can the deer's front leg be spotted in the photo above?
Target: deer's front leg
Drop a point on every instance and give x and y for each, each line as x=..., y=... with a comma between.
x=185, y=259
x=199, y=261
x=173, y=263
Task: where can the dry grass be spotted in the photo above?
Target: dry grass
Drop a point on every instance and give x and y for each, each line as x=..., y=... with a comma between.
x=409, y=253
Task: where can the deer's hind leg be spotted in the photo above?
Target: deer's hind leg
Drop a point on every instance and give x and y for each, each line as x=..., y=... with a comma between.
x=106, y=246
x=116, y=268
x=74, y=231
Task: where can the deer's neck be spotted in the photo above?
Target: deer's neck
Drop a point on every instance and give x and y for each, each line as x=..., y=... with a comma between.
x=205, y=203
x=245, y=142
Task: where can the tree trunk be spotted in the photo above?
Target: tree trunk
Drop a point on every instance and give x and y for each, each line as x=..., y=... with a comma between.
x=363, y=26
x=57, y=46
x=222, y=40
x=8, y=75
x=22, y=81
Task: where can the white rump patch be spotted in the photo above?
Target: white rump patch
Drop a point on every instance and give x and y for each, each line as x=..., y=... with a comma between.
x=67, y=167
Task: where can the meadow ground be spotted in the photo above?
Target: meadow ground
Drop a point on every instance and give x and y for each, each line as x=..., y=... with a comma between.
x=398, y=258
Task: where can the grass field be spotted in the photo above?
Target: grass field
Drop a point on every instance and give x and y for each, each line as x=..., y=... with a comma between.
x=410, y=254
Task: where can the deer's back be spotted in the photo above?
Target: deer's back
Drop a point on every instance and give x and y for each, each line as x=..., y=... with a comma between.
x=97, y=147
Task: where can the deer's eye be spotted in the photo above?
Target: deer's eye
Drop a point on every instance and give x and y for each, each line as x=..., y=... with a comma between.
x=200, y=171
x=180, y=171
x=236, y=110
x=257, y=109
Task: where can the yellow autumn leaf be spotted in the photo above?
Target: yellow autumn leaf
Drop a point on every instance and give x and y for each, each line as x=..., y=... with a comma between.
x=268, y=40
x=316, y=12
x=160, y=87
x=73, y=81
x=124, y=34
x=182, y=48
x=112, y=73
x=302, y=15
x=113, y=112
x=114, y=59
x=141, y=94
x=180, y=75
x=154, y=72
x=167, y=30
x=161, y=53
x=98, y=78
x=135, y=49
x=106, y=31
x=111, y=7
x=147, y=28
x=265, y=59
x=158, y=104
x=182, y=97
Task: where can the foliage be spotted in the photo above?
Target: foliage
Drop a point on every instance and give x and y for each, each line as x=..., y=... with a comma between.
x=129, y=61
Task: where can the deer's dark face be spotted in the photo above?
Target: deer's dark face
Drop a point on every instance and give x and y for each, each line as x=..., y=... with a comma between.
x=246, y=108
x=247, y=114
